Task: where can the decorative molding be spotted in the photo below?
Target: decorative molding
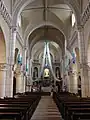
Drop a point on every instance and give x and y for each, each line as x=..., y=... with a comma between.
x=4, y=12
x=3, y=66
x=85, y=15
x=18, y=70
x=72, y=40
x=84, y=66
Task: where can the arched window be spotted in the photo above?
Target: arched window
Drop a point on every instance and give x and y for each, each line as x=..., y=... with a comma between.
x=19, y=21
x=73, y=20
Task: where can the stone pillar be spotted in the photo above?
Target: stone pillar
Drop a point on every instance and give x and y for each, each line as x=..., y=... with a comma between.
x=24, y=68
x=29, y=76
x=70, y=82
x=30, y=71
x=24, y=59
x=63, y=72
x=75, y=85
x=83, y=63
x=89, y=79
x=74, y=78
x=3, y=70
x=19, y=80
x=9, y=81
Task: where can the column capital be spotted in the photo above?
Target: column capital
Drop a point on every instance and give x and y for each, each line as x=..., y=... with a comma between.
x=13, y=27
x=3, y=66
x=24, y=47
x=84, y=65
x=18, y=70
x=80, y=27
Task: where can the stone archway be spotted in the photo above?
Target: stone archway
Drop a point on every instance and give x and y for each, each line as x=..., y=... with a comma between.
x=31, y=28
x=2, y=63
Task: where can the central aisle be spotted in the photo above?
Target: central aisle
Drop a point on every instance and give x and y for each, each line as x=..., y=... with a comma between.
x=46, y=110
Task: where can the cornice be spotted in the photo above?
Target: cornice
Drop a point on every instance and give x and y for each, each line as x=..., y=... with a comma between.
x=85, y=15
x=72, y=40
x=4, y=12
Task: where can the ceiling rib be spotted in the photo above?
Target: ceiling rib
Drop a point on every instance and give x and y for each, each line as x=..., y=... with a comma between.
x=66, y=9
x=45, y=10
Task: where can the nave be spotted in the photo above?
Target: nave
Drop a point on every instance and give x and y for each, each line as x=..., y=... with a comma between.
x=46, y=110
x=44, y=44
x=42, y=106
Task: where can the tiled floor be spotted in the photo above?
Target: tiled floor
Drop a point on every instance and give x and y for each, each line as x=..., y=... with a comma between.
x=46, y=110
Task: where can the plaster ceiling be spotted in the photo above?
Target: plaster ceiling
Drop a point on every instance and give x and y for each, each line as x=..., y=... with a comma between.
x=42, y=8
x=46, y=10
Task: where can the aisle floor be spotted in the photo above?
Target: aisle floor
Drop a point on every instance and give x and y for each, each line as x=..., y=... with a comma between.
x=46, y=110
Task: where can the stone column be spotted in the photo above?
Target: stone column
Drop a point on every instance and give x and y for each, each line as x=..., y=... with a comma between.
x=9, y=81
x=74, y=78
x=89, y=79
x=70, y=82
x=31, y=82
x=24, y=59
x=3, y=70
x=24, y=68
x=75, y=85
x=83, y=63
x=63, y=71
x=28, y=76
x=19, y=79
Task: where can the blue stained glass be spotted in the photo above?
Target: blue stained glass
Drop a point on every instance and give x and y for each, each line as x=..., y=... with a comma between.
x=73, y=59
x=19, y=59
x=26, y=67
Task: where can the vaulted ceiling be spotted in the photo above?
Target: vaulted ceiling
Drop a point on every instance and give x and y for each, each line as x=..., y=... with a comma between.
x=55, y=12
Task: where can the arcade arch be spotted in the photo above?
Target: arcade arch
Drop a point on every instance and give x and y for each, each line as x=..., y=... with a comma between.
x=2, y=63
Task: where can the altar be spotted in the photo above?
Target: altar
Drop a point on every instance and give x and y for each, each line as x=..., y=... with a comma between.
x=46, y=89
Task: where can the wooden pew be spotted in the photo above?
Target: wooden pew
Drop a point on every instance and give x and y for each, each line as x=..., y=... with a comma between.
x=72, y=107
x=18, y=108
x=77, y=113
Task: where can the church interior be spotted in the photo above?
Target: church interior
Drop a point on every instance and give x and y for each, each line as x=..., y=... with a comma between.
x=44, y=62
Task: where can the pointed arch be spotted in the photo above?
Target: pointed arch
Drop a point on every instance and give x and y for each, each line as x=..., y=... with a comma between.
x=2, y=47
